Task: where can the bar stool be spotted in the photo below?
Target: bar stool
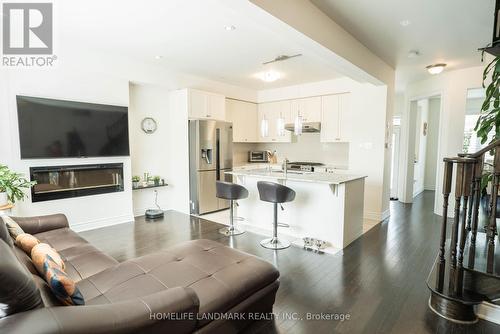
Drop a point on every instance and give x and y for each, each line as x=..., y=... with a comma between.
x=231, y=192
x=277, y=194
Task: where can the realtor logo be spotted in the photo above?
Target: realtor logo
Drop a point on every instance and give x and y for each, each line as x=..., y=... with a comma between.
x=27, y=30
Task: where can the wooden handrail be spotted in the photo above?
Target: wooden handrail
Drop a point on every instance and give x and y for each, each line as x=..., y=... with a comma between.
x=481, y=151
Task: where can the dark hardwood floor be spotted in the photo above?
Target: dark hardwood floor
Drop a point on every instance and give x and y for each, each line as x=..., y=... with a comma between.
x=378, y=280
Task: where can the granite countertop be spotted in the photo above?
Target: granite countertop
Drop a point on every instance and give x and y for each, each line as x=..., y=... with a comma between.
x=277, y=174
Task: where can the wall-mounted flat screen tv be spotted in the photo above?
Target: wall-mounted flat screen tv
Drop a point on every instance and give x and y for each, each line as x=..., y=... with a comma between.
x=65, y=129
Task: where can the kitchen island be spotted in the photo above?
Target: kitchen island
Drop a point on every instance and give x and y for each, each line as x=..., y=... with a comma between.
x=327, y=206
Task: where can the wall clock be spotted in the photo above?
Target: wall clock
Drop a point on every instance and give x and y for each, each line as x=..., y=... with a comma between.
x=149, y=125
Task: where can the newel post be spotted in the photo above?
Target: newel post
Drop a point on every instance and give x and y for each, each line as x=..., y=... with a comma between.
x=448, y=173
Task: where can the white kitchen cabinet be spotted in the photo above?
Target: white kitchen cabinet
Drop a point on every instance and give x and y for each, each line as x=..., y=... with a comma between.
x=244, y=118
x=309, y=108
x=206, y=105
x=336, y=125
x=272, y=111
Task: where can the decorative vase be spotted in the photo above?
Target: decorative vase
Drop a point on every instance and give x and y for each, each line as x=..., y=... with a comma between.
x=135, y=184
x=4, y=200
x=157, y=182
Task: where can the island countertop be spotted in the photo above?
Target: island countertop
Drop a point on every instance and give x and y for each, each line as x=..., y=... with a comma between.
x=315, y=177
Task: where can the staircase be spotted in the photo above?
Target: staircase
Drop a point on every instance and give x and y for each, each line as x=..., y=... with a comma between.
x=465, y=277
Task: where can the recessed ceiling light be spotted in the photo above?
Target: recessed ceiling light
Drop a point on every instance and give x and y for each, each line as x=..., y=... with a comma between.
x=436, y=68
x=269, y=76
x=405, y=23
x=158, y=57
x=230, y=28
x=413, y=54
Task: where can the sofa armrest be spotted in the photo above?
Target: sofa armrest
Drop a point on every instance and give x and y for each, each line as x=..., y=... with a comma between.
x=139, y=315
x=39, y=224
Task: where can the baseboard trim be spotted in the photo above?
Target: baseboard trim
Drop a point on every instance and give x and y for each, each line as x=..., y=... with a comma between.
x=98, y=223
x=378, y=216
x=489, y=312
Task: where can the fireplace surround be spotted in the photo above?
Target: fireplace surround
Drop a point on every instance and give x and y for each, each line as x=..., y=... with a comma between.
x=58, y=182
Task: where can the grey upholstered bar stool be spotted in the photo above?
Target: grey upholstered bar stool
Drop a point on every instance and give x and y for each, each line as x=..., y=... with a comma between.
x=275, y=193
x=231, y=192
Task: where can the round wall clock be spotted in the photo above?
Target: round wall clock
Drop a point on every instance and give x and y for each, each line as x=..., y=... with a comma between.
x=149, y=125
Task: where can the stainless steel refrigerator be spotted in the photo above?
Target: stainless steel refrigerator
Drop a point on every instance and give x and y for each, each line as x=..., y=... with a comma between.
x=210, y=156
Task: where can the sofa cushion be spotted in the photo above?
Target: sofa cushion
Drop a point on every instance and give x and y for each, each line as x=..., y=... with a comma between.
x=18, y=291
x=221, y=276
x=63, y=287
x=81, y=259
x=26, y=242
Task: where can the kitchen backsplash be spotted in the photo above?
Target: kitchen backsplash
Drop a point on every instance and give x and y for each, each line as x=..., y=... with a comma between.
x=306, y=147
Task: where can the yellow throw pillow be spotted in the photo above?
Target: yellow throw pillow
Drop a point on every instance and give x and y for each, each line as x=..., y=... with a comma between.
x=39, y=254
x=26, y=242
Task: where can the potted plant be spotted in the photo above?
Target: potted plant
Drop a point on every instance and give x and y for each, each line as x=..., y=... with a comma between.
x=12, y=186
x=135, y=181
x=489, y=118
x=156, y=180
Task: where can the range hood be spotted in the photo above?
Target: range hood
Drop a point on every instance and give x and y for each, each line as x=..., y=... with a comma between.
x=308, y=127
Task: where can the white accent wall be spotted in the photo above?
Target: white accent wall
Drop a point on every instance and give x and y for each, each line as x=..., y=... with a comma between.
x=83, y=212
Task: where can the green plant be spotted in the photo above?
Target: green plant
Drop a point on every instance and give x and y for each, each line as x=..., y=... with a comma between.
x=489, y=118
x=136, y=178
x=156, y=178
x=13, y=184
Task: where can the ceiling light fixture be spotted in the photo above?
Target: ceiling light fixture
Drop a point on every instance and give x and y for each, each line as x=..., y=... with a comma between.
x=405, y=23
x=269, y=76
x=230, y=28
x=158, y=57
x=435, y=68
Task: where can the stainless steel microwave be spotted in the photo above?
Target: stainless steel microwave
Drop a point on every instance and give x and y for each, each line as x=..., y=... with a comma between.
x=257, y=156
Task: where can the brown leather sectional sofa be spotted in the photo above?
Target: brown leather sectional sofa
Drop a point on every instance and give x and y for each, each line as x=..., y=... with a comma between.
x=197, y=286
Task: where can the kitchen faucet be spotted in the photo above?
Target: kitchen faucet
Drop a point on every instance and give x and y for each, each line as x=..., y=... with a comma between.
x=285, y=166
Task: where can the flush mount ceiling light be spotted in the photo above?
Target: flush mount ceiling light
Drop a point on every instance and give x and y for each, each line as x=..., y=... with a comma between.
x=404, y=23
x=230, y=27
x=436, y=68
x=269, y=76
x=158, y=57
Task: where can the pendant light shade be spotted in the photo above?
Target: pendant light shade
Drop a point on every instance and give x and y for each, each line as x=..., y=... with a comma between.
x=297, y=126
x=280, y=126
x=264, y=127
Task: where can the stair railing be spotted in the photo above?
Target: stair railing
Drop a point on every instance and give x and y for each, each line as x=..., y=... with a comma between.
x=469, y=170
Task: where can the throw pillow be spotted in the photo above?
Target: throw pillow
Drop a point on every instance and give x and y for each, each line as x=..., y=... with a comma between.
x=39, y=254
x=63, y=287
x=26, y=242
x=13, y=227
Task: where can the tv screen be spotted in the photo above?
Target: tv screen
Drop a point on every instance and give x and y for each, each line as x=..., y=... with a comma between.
x=65, y=129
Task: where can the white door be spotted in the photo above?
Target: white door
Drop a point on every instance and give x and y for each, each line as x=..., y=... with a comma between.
x=396, y=133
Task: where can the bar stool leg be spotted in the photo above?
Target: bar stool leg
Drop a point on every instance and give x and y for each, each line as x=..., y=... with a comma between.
x=231, y=229
x=274, y=242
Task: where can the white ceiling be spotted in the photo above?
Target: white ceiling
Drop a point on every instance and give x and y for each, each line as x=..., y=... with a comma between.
x=190, y=36
x=448, y=31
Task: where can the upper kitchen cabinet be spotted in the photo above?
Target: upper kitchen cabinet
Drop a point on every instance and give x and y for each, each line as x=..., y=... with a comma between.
x=336, y=125
x=205, y=105
x=244, y=118
x=272, y=111
x=309, y=108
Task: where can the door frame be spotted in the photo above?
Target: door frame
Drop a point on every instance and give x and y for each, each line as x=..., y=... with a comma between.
x=405, y=186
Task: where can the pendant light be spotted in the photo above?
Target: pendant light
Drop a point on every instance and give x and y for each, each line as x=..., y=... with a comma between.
x=297, y=124
x=280, y=125
x=264, y=127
